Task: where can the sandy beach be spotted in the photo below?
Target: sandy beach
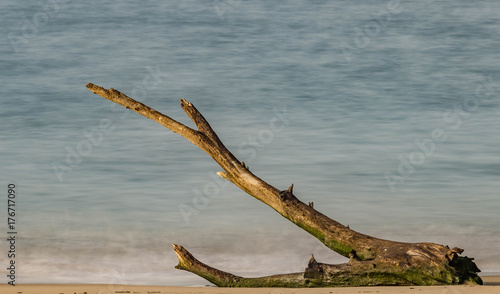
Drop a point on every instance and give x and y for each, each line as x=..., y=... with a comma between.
x=491, y=285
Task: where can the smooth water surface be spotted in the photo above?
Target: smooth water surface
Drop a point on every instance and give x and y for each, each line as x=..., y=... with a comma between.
x=383, y=113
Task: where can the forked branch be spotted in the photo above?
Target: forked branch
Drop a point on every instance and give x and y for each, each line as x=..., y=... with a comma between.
x=333, y=234
x=372, y=261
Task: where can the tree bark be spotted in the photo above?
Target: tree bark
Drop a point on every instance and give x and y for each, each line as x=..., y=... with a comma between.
x=373, y=261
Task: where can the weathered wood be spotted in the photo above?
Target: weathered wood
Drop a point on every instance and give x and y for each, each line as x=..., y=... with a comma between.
x=222, y=279
x=373, y=261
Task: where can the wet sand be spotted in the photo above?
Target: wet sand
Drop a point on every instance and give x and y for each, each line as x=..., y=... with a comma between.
x=491, y=285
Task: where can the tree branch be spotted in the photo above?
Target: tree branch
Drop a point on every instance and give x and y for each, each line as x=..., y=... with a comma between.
x=353, y=273
x=333, y=234
x=223, y=279
x=373, y=261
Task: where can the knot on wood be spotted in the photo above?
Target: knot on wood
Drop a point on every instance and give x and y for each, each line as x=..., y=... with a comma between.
x=287, y=194
x=353, y=257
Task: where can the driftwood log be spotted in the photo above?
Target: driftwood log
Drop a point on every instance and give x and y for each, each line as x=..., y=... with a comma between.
x=372, y=261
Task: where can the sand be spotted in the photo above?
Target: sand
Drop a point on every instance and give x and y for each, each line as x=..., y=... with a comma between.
x=492, y=285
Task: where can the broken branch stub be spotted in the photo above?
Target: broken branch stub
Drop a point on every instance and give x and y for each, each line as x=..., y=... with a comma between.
x=372, y=261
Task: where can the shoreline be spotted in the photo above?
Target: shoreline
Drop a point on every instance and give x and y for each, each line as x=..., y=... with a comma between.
x=491, y=285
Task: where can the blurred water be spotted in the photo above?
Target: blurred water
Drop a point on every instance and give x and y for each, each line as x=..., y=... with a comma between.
x=360, y=82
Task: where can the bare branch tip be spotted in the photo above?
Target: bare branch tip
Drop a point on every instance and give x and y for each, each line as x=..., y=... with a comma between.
x=184, y=102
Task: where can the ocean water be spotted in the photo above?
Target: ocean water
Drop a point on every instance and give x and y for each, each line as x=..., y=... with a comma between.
x=384, y=113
